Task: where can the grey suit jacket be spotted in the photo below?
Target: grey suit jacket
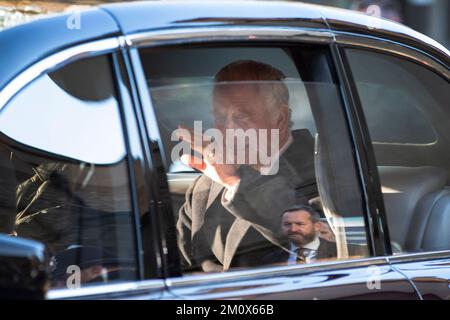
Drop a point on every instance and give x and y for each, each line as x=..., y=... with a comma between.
x=215, y=234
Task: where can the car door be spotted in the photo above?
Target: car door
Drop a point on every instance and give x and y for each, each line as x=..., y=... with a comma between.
x=404, y=95
x=177, y=74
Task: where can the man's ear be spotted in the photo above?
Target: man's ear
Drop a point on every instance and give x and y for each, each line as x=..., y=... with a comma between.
x=317, y=226
x=283, y=117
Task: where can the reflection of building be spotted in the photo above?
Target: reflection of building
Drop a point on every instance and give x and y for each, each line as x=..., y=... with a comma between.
x=431, y=17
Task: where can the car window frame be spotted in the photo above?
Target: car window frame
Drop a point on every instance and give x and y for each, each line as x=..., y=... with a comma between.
x=139, y=166
x=109, y=47
x=235, y=34
x=427, y=60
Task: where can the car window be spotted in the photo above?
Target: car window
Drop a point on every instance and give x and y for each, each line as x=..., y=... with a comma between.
x=257, y=154
x=407, y=112
x=64, y=174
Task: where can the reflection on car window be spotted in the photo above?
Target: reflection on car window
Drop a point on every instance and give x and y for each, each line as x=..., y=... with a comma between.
x=64, y=175
x=69, y=112
x=407, y=111
x=386, y=117
x=250, y=195
x=394, y=127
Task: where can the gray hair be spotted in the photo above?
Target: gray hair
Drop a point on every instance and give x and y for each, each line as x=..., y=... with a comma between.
x=270, y=81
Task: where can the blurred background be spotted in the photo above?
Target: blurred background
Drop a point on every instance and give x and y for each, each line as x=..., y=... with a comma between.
x=431, y=17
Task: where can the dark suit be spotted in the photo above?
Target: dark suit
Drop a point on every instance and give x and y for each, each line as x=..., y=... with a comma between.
x=326, y=250
x=216, y=234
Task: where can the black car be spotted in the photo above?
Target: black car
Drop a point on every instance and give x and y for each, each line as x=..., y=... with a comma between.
x=95, y=202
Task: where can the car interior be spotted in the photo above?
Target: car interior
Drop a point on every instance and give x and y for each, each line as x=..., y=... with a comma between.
x=409, y=130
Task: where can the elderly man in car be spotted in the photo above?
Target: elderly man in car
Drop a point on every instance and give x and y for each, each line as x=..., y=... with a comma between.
x=231, y=213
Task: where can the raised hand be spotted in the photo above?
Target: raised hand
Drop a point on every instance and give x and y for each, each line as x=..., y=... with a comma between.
x=218, y=171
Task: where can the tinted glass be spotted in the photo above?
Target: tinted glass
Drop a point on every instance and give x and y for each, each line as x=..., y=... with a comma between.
x=64, y=174
x=408, y=114
x=257, y=154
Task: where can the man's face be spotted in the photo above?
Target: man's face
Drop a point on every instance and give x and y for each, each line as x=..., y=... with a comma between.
x=298, y=227
x=241, y=106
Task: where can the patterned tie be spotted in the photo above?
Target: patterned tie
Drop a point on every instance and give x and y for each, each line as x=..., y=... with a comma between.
x=302, y=254
x=305, y=255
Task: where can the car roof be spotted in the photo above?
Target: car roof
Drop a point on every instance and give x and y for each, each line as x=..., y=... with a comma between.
x=147, y=15
x=28, y=43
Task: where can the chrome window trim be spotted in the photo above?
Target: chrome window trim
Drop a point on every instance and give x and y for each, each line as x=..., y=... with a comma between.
x=227, y=33
x=139, y=287
x=426, y=59
x=274, y=271
x=418, y=256
x=54, y=61
x=300, y=270
x=132, y=287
